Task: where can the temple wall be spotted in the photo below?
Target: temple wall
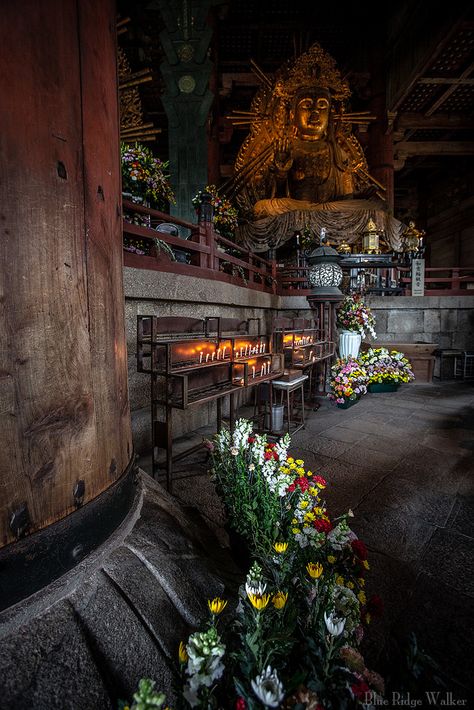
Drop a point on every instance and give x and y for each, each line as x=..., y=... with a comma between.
x=447, y=321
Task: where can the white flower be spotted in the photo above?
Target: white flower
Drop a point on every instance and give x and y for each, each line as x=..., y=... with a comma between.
x=234, y=451
x=255, y=588
x=205, y=652
x=334, y=625
x=252, y=467
x=268, y=688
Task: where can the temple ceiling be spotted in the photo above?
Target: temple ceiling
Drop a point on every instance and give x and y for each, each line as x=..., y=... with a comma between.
x=428, y=57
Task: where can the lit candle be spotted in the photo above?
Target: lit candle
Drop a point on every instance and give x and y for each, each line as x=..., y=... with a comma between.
x=253, y=371
x=218, y=353
x=223, y=352
x=207, y=357
x=200, y=357
x=241, y=352
x=213, y=356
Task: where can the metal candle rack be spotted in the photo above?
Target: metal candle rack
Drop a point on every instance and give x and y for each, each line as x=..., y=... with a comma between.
x=303, y=344
x=192, y=361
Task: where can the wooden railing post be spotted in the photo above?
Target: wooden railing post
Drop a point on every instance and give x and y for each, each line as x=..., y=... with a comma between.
x=275, y=285
x=455, y=280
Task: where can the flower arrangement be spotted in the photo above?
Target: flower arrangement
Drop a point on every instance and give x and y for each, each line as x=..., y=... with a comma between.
x=349, y=380
x=384, y=366
x=353, y=314
x=292, y=640
x=302, y=609
x=225, y=214
x=145, y=176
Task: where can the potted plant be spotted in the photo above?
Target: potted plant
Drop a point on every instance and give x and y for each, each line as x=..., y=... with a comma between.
x=386, y=370
x=348, y=382
x=354, y=319
x=225, y=214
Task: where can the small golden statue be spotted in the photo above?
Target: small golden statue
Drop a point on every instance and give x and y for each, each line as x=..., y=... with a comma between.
x=412, y=238
x=301, y=164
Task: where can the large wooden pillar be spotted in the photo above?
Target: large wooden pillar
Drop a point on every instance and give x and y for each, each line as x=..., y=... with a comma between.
x=380, y=148
x=65, y=432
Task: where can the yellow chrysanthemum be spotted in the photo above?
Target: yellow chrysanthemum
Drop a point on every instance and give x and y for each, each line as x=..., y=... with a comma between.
x=366, y=564
x=294, y=521
x=361, y=582
x=340, y=581
x=304, y=504
x=182, y=653
x=259, y=601
x=300, y=471
x=313, y=491
x=362, y=597
x=350, y=585
x=279, y=600
x=309, y=516
x=331, y=559
x=300, y=462
x=216, y=605
x=368, y=618
x=315, y=569
x=281, y=547
x=318, y=511
x=290, y=459
x=293, y=466
x=309, y=473
x=295, y=531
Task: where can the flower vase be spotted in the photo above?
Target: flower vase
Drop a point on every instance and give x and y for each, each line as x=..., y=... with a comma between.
x=383, y=386
x=347, y=403
x=349, y=343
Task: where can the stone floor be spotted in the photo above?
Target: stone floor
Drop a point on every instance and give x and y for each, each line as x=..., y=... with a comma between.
x=404, y=463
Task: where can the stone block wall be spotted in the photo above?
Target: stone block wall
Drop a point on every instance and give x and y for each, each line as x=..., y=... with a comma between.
x=446, y=321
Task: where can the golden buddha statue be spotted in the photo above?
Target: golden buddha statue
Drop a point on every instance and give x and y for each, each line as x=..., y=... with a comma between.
x=301, y=164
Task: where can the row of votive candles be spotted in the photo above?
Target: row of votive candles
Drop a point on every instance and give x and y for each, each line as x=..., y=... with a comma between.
x=248, y=350
x=264, y=370
x=218, y=354
x=304, y=340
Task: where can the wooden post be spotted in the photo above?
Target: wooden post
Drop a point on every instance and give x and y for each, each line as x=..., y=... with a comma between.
x=64, y=410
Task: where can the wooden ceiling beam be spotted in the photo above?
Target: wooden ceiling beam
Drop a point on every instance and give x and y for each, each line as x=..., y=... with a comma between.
x=409, y=148
x=446, y=94
x=448, y=121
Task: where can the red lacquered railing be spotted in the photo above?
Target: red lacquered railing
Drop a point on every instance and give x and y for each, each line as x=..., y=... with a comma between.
x=210, y=255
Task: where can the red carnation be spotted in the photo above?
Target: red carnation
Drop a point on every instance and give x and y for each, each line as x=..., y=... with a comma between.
x=375, y=605
x=359, y=549
x=271, y=445
x=251, y=439
x=291, y=488
x=319, y=479
x=324, y=526
x=361, y=690
x=303, y=483
x=240, y=704
x=268, y=455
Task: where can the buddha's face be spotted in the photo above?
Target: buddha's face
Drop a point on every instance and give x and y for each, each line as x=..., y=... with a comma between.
x=312, y=116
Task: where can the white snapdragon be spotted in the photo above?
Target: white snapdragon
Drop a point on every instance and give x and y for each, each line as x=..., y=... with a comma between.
x=205, y=651
x=241, y=433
